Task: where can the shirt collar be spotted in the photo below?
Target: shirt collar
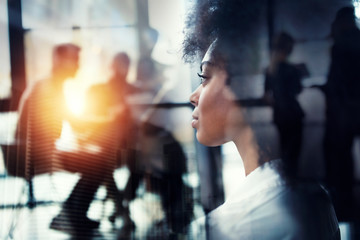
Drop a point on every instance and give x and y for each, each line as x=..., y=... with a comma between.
x=261, y=179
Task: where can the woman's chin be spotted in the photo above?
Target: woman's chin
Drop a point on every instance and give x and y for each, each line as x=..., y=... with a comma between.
x=208, y=141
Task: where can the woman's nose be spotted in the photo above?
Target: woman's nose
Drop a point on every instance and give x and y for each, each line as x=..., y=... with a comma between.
x=194, y=97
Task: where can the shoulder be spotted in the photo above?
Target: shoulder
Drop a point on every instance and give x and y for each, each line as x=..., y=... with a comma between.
x=33, y=90
x=310, y=206
x=302, y=211
x=37, y=86
x=266, y=221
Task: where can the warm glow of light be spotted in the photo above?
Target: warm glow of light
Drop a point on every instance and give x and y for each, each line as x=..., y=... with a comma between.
x=68, y=140
x=74, y=97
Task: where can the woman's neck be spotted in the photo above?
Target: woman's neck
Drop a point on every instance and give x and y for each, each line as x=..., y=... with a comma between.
x=248, y=150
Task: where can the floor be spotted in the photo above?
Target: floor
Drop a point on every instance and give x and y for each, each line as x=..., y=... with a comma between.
x=21, y=222
x=18, y=221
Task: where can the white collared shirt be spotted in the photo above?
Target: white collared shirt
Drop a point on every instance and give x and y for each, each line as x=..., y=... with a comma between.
x=263, y=206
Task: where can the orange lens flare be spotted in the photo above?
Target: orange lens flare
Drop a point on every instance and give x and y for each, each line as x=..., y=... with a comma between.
x=74, y=97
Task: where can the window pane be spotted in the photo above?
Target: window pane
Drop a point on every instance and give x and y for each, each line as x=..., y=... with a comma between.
x=5, y=82
x=83, y=13
x=98, y=46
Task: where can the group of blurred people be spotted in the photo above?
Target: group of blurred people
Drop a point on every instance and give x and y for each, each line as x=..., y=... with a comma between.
x=41, y=114
x=108, y=124
x=342, y=118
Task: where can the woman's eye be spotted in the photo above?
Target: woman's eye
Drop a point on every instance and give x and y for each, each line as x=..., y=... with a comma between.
x=203, y=78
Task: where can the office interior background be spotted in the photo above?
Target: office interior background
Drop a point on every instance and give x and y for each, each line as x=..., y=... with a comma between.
x=29, y=29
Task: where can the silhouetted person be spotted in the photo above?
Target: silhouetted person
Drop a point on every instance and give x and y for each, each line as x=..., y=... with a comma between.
x=146, y=76
x=163, y=165
x=95, y=165
x=42, y=110
x=109, y=99
x=160, y=161
x=342, y=92
x=282, y=86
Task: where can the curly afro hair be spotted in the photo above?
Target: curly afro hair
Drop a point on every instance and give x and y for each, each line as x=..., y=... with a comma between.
x=232, y=23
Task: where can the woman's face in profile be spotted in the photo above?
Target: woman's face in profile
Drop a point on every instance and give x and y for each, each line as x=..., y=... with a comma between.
x=216, y=116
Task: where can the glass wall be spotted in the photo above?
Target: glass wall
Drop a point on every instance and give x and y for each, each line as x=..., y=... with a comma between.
x=159, y=170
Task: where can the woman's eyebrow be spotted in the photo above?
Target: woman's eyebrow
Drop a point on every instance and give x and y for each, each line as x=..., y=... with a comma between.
x=204, y=63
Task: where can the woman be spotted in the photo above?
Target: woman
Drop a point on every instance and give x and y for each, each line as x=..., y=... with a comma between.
x=265, y=205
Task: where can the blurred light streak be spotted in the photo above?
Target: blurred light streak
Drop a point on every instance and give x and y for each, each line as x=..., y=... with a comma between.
x=75, y=97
